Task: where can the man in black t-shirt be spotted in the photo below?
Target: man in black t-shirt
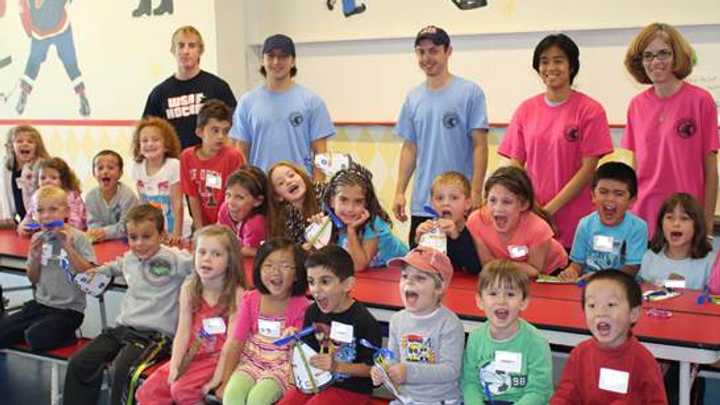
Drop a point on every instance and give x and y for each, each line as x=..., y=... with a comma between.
x=179, y=97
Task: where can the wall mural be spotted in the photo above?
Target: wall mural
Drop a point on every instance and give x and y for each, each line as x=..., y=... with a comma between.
x=145, y=8
x=349, y=7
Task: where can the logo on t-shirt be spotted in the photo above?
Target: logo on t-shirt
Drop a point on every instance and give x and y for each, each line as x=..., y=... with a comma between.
x=417, y=349
x=184, y=106
x=296, y=118
x=572, y=134
x=499, y=381
x=451, y=119
x=686, y=127
x=158, y=271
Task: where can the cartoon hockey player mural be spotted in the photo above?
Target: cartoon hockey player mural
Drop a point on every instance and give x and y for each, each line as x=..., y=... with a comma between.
x=5, y=60
x=350, y=7
x=46, y=22
x=145, y=8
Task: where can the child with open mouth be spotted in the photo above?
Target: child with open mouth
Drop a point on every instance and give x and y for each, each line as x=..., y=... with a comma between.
x=426, y=337
x=612, y=366
x=507, y=360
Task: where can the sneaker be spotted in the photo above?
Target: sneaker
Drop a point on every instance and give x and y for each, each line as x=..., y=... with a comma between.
x=359, y=9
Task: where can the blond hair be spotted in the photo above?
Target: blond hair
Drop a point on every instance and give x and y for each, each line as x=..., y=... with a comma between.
x=187, y=29
x=683, y=53
x=40, y=151
x=451, y=178
x=506, y=274
x=45, y=193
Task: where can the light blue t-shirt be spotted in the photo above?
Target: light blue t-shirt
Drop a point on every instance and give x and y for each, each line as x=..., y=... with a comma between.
x=389, y=245
x=281, y=125
x=657, y=267
x=440, y=123
x=591, y=245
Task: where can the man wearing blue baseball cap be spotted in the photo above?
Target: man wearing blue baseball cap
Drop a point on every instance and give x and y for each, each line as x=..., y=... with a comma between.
x=280, y=119
x=444, y=125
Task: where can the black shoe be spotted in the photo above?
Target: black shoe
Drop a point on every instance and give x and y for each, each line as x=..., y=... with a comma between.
x=22, y=102
x=165, y=7
x=84, y=106
x=330, y=4
x=359, y=9
x=143, y=8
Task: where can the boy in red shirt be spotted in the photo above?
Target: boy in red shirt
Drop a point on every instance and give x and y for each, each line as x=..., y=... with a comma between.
x=204, y=168
x=612, y=367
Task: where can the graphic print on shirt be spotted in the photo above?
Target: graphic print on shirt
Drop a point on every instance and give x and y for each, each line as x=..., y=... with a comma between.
x=342, y=352
x=296, y=118
x=602, y=260
x=158, y=272
x=204, y=181
x=572, y=133
x=686, y=127
x=417, y=349
x=499, y=381
x=184, y=106
x=450, y=119
x=158, y=195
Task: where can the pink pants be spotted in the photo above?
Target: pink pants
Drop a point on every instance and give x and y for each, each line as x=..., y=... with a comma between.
x=330, y=396
x=185, y=390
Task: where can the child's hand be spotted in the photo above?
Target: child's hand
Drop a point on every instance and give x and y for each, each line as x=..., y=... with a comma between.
x=317, y=219
x=173, y=240
x=172, y=375
x=95, y=234
x=66, y=238
x=448, y=227
x=24, y=229
x=288, y=331
x=424, y=228
x=569, y=274
x=397, y=373
x=36, y=243
x=376, y=375
x=323, y=362
x=364, y=215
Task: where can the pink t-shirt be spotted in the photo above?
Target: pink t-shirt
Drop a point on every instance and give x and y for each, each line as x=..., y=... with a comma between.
x=206, y=179
x=671, y=137
x=530, y=232
x=251, y=231
x=552, y=141
x=249, y=312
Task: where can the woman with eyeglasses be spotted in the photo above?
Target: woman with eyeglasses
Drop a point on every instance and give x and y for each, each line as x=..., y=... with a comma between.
x=558, y=136
x=672, y=127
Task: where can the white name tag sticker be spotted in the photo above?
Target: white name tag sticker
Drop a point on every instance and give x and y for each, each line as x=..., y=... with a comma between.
x=214, y=326
x=47, y=253
x=213, y=180
x=518, y=251
x=510, y=362
x=614, y=380
x=674, y=283
x=341, y=332
x=602, y=243
x=270, y=328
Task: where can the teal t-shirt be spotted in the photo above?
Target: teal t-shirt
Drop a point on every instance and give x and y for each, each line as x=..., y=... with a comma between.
x=389, y=245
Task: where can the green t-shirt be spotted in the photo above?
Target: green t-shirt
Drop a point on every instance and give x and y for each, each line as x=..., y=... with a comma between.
x=518, y=370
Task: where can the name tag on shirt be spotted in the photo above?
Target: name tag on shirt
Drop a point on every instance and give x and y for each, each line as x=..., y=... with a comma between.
x=510, y=362
x=214, y=326
x=674, y=283
x=47, y=253
x=341, y=332
x=213, y=180
x=614, y=380
x=602, y=243
x=270, y=328
x=518, y=251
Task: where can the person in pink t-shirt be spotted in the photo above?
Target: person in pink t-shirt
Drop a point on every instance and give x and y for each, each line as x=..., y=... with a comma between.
x=559, y=136
x=510, y=226
x=245, y=208
x=672, y=127
x=204, y=169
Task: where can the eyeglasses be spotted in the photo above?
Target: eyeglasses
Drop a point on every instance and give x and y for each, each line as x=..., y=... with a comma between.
x=283, y=267
x=661, y=55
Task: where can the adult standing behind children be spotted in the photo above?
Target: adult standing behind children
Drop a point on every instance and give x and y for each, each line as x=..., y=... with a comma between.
x=558, y=136
x=671, y=126
x=281, y=120
x=444, y=124
x=178, y=98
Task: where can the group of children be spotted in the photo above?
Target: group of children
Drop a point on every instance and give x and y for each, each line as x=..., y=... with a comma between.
x=219, y=334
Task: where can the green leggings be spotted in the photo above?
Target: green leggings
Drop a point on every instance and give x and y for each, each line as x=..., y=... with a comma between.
x=242, y=389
